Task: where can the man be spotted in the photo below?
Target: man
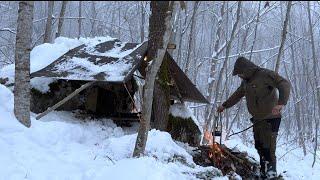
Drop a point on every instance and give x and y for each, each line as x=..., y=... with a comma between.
x=259, y=87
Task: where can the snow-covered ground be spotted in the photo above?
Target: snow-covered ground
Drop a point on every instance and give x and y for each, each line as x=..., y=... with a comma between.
x=61, y=147
x=291, y=162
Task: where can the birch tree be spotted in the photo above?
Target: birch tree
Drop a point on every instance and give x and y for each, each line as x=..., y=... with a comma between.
x=158, y=8
x=22, y=63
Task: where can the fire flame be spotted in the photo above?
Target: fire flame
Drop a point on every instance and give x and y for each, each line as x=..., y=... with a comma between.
x=215, y=153
x=216, y=148
x=210, y=155
x=208, y=136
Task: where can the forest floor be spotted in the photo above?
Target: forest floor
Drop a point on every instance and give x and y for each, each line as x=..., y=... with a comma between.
x=62, y=146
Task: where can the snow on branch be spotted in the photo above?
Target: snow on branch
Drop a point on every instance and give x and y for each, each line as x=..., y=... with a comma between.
x=8, y=30
x=248, y=52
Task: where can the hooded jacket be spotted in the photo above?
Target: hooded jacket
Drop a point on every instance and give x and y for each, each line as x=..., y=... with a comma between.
x=259, y=86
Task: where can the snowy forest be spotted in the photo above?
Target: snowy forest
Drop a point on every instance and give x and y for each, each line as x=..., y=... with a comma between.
x=40, y=138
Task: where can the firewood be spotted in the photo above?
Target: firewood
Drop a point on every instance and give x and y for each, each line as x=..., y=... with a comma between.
x=226, y=160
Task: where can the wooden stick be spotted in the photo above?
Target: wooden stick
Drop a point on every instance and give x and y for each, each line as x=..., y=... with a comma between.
x=77, y=91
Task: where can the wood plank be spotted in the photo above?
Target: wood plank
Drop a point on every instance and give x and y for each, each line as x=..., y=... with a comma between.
x=77, y=91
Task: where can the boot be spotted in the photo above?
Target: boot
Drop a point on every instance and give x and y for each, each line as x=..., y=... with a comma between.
x=263, y=168
x=272, y=171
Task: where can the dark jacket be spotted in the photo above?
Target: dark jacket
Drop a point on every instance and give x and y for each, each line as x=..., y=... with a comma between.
x=259, y=87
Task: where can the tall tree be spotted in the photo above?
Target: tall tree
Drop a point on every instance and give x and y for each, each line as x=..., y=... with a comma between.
x=224, y=66
x=191, y=37
x=93, y=31
x=215, y=55
x=161, y=102
x=79, y=19
x=143, y=15
x=48, y=31
x=283, y=36
x=315, y=70
x=161, y=14
x=61, y=18
x=22, y=63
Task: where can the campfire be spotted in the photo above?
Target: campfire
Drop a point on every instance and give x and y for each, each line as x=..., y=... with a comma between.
x=227, y=160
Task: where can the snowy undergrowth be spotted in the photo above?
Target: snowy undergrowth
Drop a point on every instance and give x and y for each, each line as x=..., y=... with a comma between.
x=61, y=147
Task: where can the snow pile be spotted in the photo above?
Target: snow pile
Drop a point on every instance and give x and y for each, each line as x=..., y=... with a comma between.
x=60, y=146
x=161, y=146
x=6, y=112
x=41, y=83
x=181, y=110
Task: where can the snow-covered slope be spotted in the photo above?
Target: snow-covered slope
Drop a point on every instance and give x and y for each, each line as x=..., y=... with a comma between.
x=61, y=147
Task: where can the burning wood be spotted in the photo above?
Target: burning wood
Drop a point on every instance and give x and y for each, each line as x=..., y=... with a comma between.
x=228, y=161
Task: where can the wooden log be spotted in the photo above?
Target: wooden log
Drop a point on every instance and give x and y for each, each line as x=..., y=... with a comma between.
x=226, y=160
x=77, y=91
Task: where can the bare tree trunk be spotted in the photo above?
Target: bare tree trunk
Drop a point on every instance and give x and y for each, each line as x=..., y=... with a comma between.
x=182, y=30
x=213, y=64
x=22, y=63
x=48, y=31
x=173, y=36
x=255, y=31
x=191, y=37
x=161, y=102
x=315, y=70
x=226, y=60
x=79, y=20
x=61, y=18
x=297, y=105
x=93, y=31
x=284, y=35
x=143, y=15
x=158, y=9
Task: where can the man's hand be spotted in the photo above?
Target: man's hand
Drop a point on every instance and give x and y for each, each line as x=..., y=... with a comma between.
x=220, y=109
x=277, y=109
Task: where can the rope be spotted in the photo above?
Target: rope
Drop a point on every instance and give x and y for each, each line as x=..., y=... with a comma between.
x=246, y=128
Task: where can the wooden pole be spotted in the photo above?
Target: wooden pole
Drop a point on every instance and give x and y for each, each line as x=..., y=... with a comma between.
x=77, y=91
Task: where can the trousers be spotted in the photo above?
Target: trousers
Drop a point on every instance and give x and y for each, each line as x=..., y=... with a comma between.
x=265, y=138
